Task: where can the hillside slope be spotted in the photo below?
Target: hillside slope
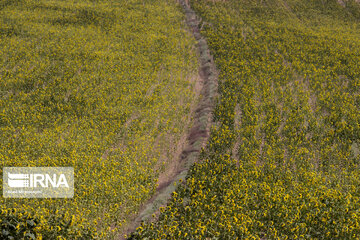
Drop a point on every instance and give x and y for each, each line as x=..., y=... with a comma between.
x=104, y=87
x=283, y=158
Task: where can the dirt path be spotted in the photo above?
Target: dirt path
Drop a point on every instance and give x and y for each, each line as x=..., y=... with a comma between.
x=191, y=143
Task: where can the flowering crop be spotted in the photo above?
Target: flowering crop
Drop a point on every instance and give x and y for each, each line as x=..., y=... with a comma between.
x=101, y=86
x=283, y=158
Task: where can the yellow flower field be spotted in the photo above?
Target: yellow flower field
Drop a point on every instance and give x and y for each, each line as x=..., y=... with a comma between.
x=283, y=158
x=101, y=86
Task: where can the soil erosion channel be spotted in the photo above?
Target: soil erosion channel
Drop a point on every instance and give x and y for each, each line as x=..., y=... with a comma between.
x=196, y=138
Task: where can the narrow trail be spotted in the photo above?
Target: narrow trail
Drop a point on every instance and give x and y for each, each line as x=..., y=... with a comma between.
x=199, y=132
